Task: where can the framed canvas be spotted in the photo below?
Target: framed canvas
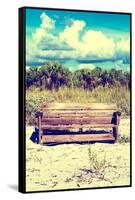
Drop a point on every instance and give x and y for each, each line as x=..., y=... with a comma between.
x=74, y=99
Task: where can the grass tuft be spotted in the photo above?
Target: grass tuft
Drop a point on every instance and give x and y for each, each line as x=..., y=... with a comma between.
x=96, y=165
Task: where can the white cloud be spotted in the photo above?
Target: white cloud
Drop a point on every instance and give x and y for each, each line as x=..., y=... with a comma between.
x=70, y=35
x=119, y=64
x=38, y=35
x=47, y=22
x=123, y=46
x=87, y=66
x=32, y=45
x=97, y=44
x=92, y=45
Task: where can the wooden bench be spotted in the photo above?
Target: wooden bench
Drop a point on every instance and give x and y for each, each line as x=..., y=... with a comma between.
x=78, y=117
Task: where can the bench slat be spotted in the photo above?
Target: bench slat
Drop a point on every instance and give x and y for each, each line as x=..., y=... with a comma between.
x=67, y=116
x=78, y=120
x=77, y=138
x=74, y=106
x=85, y=108
x=74, y=126
x=77, y=112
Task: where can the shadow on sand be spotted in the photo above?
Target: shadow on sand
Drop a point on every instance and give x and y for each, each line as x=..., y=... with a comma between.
x=35, y=136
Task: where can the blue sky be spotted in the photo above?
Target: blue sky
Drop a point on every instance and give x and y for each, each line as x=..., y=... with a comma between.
x=77, y=39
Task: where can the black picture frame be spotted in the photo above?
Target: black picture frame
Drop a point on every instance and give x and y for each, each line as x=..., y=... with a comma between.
x=22, y=100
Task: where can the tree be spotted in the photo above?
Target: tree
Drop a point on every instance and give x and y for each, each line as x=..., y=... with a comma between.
x=96, y=76
x=32, y=77
x=106, y=79
x=54, y=75
x=82, y=78
x=97, y=71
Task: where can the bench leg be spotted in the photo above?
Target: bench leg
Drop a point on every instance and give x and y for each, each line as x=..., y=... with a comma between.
x=40, y=137
x=115, y=134
x=117, y=122
x=39, y=116
x=40, y=132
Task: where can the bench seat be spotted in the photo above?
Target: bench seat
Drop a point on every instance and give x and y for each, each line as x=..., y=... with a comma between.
x=77, y=138
x=74, y=126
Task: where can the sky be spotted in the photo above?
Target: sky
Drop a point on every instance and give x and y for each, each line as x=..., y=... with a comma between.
x=77, y=39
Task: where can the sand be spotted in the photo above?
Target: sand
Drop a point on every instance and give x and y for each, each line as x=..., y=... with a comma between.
x=68, y=166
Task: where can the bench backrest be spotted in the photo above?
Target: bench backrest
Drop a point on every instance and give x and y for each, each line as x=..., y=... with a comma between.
x=72, y=113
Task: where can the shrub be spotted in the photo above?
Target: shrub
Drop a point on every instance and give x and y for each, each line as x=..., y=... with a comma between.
x=34, y=100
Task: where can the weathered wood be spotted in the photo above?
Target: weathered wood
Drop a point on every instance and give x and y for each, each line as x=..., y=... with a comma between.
x=77, y=138
x=68, y=116
x=116, y=122
x=75, y=115
x=81, y=108
x=83, y=120
x=39, y=126
x=75, y=106
x=57, y=113
x=74, y=126
x=39, y=116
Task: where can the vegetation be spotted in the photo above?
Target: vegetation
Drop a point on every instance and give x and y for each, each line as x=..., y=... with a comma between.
x=54, y=76
x=54, y=83
x=97, y=164
x=35, y=97
x=50, y=76
x=123, y=139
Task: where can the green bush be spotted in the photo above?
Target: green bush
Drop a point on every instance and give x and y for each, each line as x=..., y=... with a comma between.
x=34, y=101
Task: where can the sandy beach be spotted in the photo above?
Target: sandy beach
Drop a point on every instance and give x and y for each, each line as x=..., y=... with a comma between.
x=68, y=166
